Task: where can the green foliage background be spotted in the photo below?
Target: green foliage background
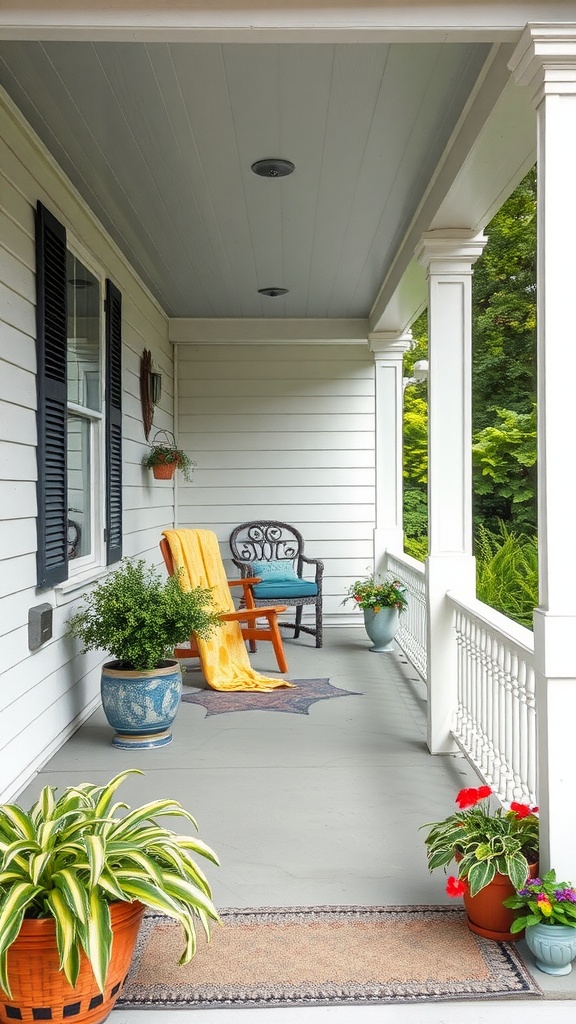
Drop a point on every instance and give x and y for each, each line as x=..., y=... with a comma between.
x=503, y=415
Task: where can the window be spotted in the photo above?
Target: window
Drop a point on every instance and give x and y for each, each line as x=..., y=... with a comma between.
x=84, y=406
x=79, y=411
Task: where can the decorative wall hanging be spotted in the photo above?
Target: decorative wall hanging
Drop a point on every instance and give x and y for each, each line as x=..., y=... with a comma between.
x=150, y=390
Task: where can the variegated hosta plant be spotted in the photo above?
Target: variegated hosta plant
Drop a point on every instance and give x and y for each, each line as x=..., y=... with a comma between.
x=69, y=858
x=483, y=841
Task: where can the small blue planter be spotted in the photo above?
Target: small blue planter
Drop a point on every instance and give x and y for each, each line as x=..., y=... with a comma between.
x=381, y=627
x=553, y=945
x=141, y=706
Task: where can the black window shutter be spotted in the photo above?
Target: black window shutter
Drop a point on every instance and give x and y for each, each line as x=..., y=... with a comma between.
x=51, y=330
x=113, y=423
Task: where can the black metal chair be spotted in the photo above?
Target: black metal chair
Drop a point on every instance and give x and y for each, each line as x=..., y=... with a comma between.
x=274, y=551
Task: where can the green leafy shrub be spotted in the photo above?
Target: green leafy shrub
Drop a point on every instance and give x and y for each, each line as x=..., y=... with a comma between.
x=507, y=573
x=417, y=547
x=140, y=618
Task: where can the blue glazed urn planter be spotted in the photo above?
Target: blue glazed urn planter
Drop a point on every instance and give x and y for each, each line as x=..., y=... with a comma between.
x=553, y=945
x=141, y=706
x=381, y=627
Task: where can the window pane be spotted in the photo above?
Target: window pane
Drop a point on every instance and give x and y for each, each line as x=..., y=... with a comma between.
x=79, y=486
x=84, y=373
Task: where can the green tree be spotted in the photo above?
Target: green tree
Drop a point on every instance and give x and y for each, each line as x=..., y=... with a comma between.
x=415, y=465
x=503, y=415
x=504, y=310
x=504, y=366
x=504, y=459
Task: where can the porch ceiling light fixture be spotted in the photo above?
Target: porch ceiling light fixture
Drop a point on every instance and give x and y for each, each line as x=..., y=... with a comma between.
x=273, y=292
x=150, y=390
x=273, y=167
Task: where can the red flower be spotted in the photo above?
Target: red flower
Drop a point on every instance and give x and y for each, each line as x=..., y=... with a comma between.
x=522, y=810
x=456, y=886
x=467, y=798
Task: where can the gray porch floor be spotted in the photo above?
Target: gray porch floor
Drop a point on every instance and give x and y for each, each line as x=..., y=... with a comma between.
x=322, y=808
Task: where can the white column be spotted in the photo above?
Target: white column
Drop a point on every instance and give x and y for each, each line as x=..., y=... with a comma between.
x=448, y=257
x=388, y=348
x=545, y=61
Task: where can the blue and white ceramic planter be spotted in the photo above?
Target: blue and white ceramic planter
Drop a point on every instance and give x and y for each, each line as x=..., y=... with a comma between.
x=141, y=706
x=553, y=945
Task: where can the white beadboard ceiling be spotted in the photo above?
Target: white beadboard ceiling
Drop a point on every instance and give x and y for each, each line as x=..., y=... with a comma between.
x=159, y=139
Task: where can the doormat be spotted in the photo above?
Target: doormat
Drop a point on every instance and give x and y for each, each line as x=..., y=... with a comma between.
x=323, y=956
x=295, y=700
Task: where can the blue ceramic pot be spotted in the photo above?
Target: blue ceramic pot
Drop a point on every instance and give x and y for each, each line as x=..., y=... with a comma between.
x=553, y=945
x=381, y=627
x=141, y=706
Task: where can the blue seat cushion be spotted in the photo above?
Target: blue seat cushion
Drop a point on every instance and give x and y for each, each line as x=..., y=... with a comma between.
x=275, y=590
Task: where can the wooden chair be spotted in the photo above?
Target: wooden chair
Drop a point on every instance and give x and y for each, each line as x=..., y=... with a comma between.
x=276, y=550
x=246, y=617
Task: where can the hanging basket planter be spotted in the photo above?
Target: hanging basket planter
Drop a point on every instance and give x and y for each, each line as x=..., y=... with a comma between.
x=164, y=458
x=164, y=470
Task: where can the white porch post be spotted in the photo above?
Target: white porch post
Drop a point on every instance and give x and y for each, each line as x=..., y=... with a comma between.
x=545, y=60
x=388, y=348
x=448, y=257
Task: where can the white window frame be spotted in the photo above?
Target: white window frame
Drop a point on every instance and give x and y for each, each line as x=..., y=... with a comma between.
x=96, y=559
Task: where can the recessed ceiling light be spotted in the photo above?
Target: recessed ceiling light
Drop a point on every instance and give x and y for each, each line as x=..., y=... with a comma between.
x=273, y=292
x=273, y=168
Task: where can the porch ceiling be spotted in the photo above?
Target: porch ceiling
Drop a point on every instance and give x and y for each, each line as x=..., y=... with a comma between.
x=159, y=139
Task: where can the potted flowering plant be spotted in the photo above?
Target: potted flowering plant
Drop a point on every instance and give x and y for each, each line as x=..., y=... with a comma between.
x=375, y=593
x=495, y=851
x=164, y=457
x=549, y=917
x=381, y=601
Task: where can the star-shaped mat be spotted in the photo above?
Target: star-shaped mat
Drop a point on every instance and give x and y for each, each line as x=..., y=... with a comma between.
x=294, y=700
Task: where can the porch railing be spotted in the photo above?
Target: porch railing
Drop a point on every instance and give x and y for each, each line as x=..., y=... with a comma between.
x=412, y=632
x=496, y=716
x=495, y=719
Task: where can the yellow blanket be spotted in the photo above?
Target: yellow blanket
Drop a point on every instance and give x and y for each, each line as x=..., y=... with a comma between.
x=223, y=657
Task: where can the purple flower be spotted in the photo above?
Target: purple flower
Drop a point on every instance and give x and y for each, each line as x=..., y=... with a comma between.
x=565, y=895
x=533, y=881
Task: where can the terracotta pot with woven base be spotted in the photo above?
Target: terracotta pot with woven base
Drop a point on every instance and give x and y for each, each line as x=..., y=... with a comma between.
x=164, y=470
x=40, y=990
x=487, y=916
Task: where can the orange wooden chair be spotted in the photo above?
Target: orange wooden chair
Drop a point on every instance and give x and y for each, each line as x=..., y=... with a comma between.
x=246, y=617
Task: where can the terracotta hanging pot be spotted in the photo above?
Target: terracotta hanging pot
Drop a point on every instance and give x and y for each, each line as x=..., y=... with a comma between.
x=164, y=470
x=40, y=990
x=487, y=916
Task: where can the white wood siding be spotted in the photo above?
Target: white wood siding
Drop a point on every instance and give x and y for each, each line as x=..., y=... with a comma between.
x=44, y=695
x=283, y=432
